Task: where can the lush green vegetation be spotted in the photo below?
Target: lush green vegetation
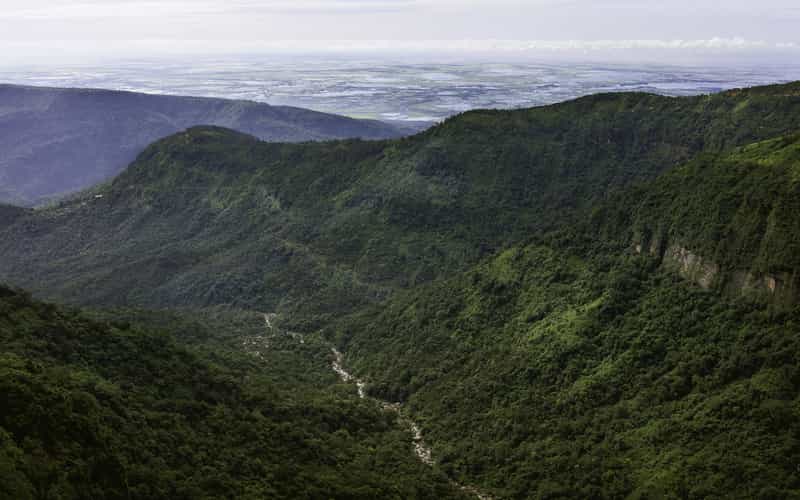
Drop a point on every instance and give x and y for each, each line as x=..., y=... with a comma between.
x=494, y=273
x=213, y=217
x=577, y=366
x=739, y=211
x=545, y=373
x=108, y=409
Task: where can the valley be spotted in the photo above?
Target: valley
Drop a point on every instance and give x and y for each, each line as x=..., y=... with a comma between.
x=590, y=299
x=143, y=404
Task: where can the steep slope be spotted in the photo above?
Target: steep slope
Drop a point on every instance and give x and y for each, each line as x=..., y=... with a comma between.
x=727, y=222
x=546, y=374
x=57, y=141
x=210, y=216
x=108, y=409
x=582, y=365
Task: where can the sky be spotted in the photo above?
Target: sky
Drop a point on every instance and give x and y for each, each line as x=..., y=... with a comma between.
x=70, y=29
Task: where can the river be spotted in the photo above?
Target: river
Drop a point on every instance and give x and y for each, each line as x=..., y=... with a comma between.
x=421, y=449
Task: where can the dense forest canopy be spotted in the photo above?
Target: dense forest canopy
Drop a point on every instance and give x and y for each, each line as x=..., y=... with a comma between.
x=113, y=407
x=211, y=217
x=595, y=299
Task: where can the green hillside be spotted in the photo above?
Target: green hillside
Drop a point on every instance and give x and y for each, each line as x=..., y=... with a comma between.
x=213, y=217
x=108, y=409
x=727, y=222
x=582, y=365
x=596, y=299
x=547, y=373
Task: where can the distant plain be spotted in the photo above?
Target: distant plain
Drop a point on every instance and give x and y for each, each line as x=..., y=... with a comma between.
x=397, y=90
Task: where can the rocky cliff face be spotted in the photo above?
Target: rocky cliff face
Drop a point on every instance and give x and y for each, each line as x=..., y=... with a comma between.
x=727, y=222
x=691, y=266
x=779, y=288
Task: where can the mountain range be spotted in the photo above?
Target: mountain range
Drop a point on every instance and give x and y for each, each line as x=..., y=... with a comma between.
x=210, y=216
x=594, y=299
x=58, y=141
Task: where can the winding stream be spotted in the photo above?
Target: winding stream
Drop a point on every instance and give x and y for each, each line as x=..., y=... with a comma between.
x=421, y=450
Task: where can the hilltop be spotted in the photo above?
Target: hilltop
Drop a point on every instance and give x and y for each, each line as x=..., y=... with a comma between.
x=209, y=216
x=57, y=141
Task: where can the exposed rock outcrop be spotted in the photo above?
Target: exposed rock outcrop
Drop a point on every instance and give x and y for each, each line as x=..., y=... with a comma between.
x=691, y=266
x=779, y=288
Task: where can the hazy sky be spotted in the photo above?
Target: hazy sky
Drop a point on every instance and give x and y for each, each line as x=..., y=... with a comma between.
x=57, y=28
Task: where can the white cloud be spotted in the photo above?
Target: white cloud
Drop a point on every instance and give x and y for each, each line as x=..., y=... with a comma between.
x=110, y=26
x=716, y=44
x=78, y=10
x=153, y=8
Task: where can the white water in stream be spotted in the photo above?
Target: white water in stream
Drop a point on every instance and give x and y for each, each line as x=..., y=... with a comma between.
x=422, y=451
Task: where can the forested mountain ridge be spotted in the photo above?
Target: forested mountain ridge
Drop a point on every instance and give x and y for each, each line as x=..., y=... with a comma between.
x=583, y=365
x=516, y=279
x=58, y=141
x=209, y=216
